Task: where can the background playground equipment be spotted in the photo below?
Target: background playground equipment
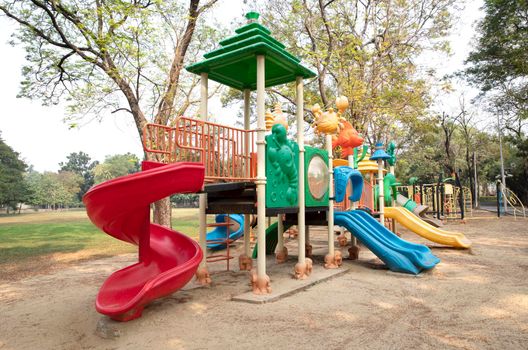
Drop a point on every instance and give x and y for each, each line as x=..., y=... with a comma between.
x=513, y=203
x=404, y=216
x=227, y=229
x=397, y=254
x=444, y=200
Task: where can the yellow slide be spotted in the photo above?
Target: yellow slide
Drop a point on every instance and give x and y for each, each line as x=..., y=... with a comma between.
x=420, y=227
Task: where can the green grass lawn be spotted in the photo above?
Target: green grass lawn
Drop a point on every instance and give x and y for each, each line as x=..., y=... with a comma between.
x=26, y=236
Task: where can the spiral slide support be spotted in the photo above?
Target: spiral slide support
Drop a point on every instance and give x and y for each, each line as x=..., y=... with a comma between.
x=167, y=259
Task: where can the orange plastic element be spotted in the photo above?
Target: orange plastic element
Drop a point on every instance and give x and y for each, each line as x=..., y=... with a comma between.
x=339, y=162
x=167, y=259
x=330, y=262
x=348, y=139
x=260, y=285
x=328, y=122
x=227, y=153
x=245, y=263
x=276, y=117
x=302, y=271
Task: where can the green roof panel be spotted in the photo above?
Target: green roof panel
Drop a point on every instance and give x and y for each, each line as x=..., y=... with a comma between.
x=234, y=64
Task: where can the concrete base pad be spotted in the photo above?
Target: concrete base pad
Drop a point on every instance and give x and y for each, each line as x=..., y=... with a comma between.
x=283, y=284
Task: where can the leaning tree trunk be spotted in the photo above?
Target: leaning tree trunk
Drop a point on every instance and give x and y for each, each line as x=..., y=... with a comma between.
x=162, y=212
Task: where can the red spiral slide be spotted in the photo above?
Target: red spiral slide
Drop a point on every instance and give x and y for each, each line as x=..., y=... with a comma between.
x=167, y=259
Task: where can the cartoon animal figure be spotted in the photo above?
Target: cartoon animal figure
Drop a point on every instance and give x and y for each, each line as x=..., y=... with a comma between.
x=342, y=240
x=260, y=285
x=281, y=155
x=348, y=138
x=309, y=266
x=328, y=122
x=338, y=258
x=276, y=117
x=203, y=277
x=282, y=255
x=245, y=263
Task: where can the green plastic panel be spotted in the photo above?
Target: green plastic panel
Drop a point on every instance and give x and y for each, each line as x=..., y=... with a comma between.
x=282, y=162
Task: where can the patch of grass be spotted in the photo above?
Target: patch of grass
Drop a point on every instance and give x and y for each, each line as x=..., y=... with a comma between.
x=33, y=235
x=24, y=241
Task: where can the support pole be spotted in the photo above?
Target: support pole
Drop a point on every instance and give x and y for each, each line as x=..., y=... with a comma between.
x=380, y=192
x=280, y=231
x=475, y=182
x=261, y=285
x=244, y=261
x=354, y=204
x=330, y=258
x=202, y=274
x=308, y=250
x=502, y=173
x=300, y=268
x=281, y=253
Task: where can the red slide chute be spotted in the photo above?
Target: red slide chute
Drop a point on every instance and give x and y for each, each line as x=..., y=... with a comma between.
x=167, y=259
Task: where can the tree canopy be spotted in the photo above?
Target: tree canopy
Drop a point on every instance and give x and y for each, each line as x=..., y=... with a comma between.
x=81, y=164
x=498, y=63
x=116, y=165
x=13, y=188
x=365, y=50
x=497, y=66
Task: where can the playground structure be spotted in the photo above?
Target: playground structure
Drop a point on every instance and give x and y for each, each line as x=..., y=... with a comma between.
x=443, y=199
x=242, y=171
x=507, y=201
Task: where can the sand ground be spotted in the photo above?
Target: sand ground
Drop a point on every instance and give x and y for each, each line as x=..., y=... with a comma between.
x=476, y=299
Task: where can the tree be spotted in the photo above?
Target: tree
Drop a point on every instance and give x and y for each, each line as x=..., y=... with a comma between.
x=365, y=50
x=498, y=68
x=114, y=166
x=498, y=63
x=111, y=55
x=54, y=190
x=13, y=188
x=81, y=164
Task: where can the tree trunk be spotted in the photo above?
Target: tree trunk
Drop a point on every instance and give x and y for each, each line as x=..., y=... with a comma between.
x=162, y=212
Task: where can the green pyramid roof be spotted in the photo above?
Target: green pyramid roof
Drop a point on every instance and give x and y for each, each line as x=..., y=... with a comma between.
x=234, y=64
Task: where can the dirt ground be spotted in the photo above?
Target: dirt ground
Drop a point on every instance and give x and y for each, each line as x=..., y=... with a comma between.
x=475, y=299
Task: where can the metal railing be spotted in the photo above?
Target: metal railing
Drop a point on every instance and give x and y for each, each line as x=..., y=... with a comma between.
x=227, y=153
x=514, y=203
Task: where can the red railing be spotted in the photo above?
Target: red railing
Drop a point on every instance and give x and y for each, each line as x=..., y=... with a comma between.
x=227, y=153
x=367, y=196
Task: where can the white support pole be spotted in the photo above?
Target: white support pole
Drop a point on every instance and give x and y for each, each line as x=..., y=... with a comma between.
x=331, y=251
x=380, y=192
x=300, y=141
x=261, y=168
x=203, y=197
x=354, y=204
x=351, y=164
x=247, y=238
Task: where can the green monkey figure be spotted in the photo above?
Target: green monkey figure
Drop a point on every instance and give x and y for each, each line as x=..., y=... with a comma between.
x=282, y=157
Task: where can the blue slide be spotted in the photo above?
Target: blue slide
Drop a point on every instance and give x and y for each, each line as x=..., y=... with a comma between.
x=220, y=232
x=397, y=254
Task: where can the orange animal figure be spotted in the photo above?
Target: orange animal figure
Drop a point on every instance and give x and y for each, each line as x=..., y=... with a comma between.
x=348, y=139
